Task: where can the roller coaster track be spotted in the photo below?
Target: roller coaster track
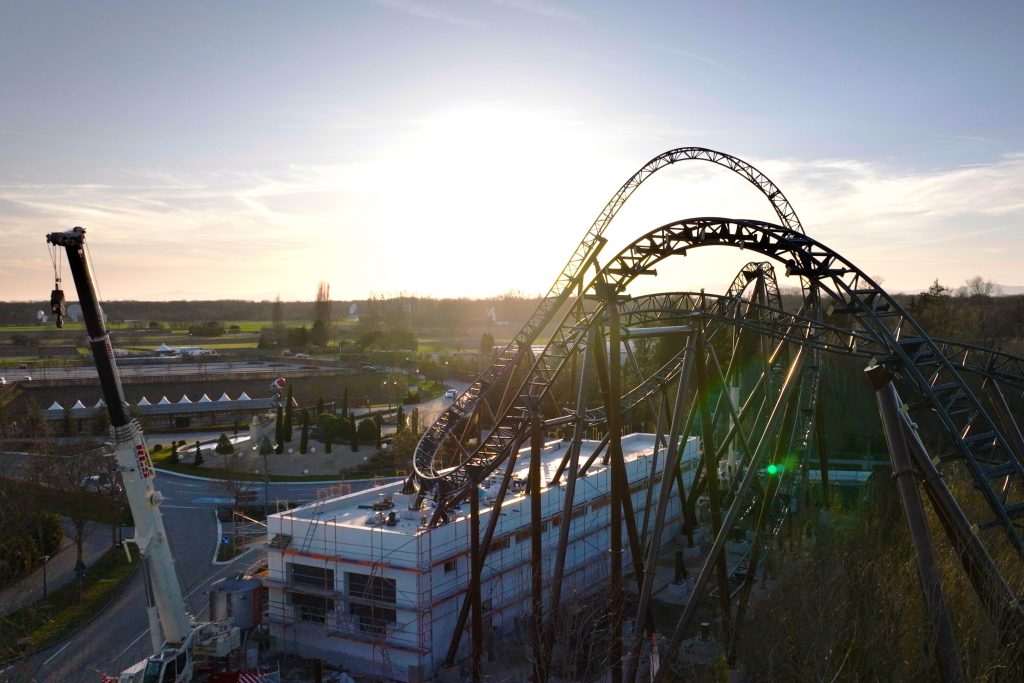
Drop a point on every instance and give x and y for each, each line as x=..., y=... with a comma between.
x=843, y=311
x=433, y=480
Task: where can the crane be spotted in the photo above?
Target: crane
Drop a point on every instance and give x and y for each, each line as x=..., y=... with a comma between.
x=183, y=638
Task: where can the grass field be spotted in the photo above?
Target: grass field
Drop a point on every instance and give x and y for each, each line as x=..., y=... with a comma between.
x=67, y=608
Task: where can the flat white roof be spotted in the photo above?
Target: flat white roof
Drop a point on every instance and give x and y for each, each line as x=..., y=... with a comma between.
x=352, y=510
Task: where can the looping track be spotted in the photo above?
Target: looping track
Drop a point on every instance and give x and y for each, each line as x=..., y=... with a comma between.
x=956, y=389
x=433, y=480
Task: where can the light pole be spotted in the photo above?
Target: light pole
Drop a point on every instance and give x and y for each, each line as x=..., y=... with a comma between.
x=46, y=558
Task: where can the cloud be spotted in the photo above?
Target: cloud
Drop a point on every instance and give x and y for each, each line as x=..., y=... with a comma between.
x=544, y=9
x=428, y=10
x=703, y=60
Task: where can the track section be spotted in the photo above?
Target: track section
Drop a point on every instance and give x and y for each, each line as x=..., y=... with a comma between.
x=889, y=334
x=429, y=478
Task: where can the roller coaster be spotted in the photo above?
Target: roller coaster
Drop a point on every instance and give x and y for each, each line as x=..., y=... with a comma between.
x=573, y=367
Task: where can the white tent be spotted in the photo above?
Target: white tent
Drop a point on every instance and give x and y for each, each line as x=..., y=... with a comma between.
x=164, y=348
x=244, y=397
x=224, y=397
x=56, y=406
x=78, y=405
x=144, y=402
x=205, y=399
x=164, y=401
x=185, y=399
x=100, y=404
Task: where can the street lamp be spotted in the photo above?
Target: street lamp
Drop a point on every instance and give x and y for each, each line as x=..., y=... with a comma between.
x=46, y=558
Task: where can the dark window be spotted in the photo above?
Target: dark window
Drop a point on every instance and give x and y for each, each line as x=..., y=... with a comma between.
x=366, y=587
x=372, y=619
x=308, y=575
x=311, y=607
x=451, y=566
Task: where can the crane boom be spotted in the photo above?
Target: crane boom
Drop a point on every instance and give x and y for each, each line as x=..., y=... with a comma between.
x=130, y=447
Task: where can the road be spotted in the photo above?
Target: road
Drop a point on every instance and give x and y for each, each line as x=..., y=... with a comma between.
x=119, y=636
x=155, y=370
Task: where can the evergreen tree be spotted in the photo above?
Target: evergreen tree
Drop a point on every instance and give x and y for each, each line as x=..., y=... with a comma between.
x=400, y=419
x=415, y=422
x=174, y=452
x=224, y=446
x=320, y=406
x=288, y=416
x=304, y=439
x=355, y=434
x=379, y=423
x=327, y=441
x=344, y=403
x=266, y=448
x=279, y=430
x=199, y=455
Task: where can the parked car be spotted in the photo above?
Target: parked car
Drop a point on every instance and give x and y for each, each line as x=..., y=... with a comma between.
x=101, y=483
x=451, y=393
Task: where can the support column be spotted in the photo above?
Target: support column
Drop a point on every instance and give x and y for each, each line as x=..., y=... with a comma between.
x=536, y=566
x=906, y=483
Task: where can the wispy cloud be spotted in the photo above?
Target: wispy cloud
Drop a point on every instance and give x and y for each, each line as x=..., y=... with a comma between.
x=699, y=58
x=428, y=10
x=544, y=9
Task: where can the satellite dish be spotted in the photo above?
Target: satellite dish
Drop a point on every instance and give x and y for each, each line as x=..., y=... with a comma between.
x=74, y=313
x=491, y=315
x=40, y=316
x=352, y=309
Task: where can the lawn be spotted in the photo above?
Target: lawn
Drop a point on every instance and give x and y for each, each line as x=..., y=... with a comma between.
x=67, y=608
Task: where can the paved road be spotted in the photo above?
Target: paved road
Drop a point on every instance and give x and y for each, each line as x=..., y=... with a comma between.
x=154, y=370
x=120, y=635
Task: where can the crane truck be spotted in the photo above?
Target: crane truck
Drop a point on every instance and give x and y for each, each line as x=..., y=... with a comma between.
x=183, y=639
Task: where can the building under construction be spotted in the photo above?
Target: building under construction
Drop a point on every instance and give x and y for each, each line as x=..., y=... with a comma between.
x=364, y=583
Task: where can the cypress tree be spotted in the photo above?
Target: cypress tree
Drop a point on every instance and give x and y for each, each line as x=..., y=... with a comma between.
x=355, y=434
x=379, y=424
x=320, y=406
x=279, y=431
x=304, y=439
x=199, y=455
x=399, y=420
x=344, y=402
x=327, y=442
x=415, y=426
x=288, y=416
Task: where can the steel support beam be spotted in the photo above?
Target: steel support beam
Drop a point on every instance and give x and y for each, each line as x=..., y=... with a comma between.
x=939, y=624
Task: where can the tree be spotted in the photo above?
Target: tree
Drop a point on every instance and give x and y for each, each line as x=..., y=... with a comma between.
x=400, y=419
x=327, y=441
x=174, y=452
x=355, y=433
x=298, y=337
x=321, y=314
x=199, y=455
x=224, y=446
x=367, y=431
x=279, y=431
x=379, y=424
x=304, y=439
x=320, y=406
x=415, y=422
x=344, y=402
x=277, y=313
x=82, y=498
x=486, y=344
x=266, y=448
x=288, y=416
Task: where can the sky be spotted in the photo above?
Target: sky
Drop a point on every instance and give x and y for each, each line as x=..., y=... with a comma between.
x=251, y=149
